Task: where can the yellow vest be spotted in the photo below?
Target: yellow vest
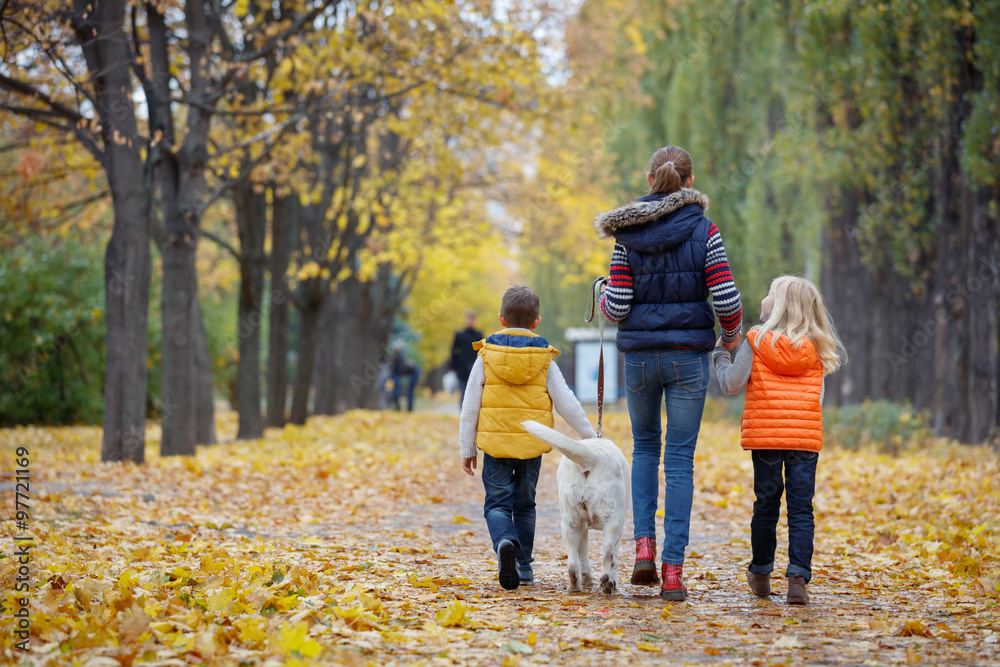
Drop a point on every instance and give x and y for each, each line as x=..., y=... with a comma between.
x=517, y=368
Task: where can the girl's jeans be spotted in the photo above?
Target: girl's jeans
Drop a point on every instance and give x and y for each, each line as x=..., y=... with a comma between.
x=799, y=484
x=682, y=377
x=510, y=502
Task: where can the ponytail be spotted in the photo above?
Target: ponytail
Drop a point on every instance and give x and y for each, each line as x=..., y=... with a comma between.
x=669, y=168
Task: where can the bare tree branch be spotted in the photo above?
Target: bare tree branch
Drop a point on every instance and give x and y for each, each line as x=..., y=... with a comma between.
x=27, y=89
x=245, y=172
x=273, y=43
x=222, y=243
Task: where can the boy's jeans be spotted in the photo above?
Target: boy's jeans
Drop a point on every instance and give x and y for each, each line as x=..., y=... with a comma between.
x=510, y=502
x=681, y=376
x=799, y=484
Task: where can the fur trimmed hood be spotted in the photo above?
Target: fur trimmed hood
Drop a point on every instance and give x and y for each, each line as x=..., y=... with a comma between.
x=646, y=210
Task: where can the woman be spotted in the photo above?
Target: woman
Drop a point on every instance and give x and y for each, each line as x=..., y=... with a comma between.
x=668, y=257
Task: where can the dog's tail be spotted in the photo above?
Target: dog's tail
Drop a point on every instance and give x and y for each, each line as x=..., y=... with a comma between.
x=582, y=455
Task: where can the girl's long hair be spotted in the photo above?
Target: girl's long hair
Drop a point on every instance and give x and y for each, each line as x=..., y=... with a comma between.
x=799, y=312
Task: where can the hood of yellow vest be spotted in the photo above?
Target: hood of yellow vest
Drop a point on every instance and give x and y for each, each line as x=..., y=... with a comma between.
x=785, y=358
x=516, y=356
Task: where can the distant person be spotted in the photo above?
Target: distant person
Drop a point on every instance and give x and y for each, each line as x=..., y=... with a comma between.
x=514, y=379
x=782, y=365
x=401, y=367
x=462, y=354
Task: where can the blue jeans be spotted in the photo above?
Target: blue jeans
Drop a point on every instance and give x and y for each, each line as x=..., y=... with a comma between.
x=799, y=485
x=682, y=377
x=411, y=386
x=510, y=502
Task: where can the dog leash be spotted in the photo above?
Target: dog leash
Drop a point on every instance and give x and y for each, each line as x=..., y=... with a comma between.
x=588, y=316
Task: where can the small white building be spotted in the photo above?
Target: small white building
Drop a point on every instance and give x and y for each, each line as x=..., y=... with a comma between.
x=586, y=360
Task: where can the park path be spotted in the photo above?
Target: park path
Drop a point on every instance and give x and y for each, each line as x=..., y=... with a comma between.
x=358, y=540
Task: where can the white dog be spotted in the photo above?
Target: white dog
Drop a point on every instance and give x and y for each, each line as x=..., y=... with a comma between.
x=594, y=492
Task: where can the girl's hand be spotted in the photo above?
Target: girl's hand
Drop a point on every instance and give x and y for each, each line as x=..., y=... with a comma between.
x=469, y=464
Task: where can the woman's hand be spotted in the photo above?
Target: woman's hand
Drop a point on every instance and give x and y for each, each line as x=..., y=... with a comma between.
x=735, y=342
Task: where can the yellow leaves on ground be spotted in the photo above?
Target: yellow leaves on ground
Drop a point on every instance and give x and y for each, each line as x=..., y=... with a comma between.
x=294, y=641
x=207, y=560
x=454, y=615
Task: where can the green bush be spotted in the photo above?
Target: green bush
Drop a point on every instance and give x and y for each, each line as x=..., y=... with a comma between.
x=51, y=334
x=885, y=424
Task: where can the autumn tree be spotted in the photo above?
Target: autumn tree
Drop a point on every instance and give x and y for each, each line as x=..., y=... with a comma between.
x=67, y=67
x=844, y=141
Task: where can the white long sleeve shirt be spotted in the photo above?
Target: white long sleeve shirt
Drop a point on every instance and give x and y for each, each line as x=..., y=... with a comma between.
x=563, y=401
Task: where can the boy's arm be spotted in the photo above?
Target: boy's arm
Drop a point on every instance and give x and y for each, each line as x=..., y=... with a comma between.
x=468, y=423
x=566, y=404
x=733, y=376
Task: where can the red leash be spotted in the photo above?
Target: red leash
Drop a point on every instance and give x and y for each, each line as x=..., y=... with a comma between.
x=595, y=295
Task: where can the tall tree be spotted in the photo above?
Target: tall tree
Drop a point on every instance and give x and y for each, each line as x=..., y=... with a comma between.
x=68, y=67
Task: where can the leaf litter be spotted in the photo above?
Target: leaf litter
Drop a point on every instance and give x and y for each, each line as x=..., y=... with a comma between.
x=358, y=540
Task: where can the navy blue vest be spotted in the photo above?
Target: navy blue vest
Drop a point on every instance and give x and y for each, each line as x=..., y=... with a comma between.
x=670, y=305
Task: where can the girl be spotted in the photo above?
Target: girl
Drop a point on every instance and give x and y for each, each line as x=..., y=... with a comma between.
x=782, y=365
x=668, y=258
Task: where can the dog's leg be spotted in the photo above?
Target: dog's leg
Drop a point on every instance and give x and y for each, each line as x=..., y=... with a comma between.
x=571, y=536
x=583, y=555
x=609, y=568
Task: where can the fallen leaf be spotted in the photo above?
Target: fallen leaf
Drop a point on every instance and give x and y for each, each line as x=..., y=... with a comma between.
x=787, y=641
x=913, y=628
x=514, y=646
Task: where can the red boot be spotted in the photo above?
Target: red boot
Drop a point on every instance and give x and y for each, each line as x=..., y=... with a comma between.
x=644, y=572
x=673, y=587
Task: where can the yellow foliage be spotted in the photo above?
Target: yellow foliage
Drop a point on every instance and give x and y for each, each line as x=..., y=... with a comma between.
x=207, y=563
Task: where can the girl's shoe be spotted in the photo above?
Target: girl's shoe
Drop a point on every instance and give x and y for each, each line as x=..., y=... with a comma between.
x=673, y=588
x=644, y=572
x=797, y=593
x=525, y=575
x=760, y=584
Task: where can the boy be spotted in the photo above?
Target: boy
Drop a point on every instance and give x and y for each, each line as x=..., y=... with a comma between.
x=514, y=379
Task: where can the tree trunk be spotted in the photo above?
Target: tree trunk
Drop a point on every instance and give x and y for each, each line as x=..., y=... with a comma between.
x=845, y=294
x=982, y=317
x=326, y=377
x=179, y=301
x=204, y=396
x=306, y=352
x=251, y=221
x=343, y=299
x=182, y=188
x=283, y=224
x=127, y=259
x=126, y=281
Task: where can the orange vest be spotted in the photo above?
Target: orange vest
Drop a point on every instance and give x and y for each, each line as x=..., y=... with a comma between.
x=782, y=409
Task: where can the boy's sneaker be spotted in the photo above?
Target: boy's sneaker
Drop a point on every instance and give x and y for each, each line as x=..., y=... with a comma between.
x=797, y=593
x=760, y=584
x=525, y=575
x=507, y=555
x=673, y=588
x=644, y=572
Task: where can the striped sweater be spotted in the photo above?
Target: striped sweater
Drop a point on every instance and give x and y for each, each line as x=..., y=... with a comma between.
x=616, y=302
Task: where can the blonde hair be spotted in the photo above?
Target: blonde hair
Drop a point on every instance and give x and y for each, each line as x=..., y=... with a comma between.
x=799, y=312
